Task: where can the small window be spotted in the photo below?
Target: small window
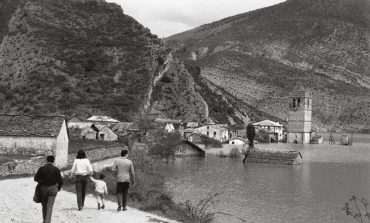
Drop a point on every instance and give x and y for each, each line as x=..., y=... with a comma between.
x=293, y=102
x=299, y=102
x=214, y=133
x=207, y=133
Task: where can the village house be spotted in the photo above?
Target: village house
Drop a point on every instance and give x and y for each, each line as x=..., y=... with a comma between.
x=187, y=148
x=219, y=132
x=122, y=128
x=271, y=128
x=194, y=137
x=237, y=131
x=23, y=135
x=99, y=132
x=76, y=123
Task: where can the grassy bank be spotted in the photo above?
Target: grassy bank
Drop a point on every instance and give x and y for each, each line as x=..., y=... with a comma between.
x=149, y=194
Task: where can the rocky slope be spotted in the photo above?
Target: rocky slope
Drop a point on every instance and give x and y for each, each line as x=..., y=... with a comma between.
x=258, y=57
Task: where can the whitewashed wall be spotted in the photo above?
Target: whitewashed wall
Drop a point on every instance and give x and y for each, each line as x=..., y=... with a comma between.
x=61, y=153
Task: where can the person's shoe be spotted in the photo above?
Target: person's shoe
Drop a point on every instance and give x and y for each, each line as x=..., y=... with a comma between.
x=119, y=208
x=80, y=209
x=124, y=209
x=98, y=206
x=103, y=206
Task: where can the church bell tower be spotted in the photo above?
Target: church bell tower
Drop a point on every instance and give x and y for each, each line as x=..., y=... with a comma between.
x=300, y=117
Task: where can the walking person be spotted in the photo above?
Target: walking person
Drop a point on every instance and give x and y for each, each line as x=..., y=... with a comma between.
x=82, y=169
x=50, y=182
x=100, y=190
x=125, y=175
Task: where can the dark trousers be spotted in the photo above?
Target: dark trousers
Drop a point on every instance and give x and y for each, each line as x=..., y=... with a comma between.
x=81, y=184
x=47, y=195
x=122, y=192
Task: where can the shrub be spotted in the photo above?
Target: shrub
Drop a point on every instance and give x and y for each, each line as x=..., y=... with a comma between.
x=262, y=136
x=199, y=213
x=354, y=210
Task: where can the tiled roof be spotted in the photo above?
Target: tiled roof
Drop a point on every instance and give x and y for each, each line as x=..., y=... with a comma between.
x=23, y=125
x=268, y=123
x=122, y=126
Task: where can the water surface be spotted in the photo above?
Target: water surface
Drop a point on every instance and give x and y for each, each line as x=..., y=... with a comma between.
x=314, y=191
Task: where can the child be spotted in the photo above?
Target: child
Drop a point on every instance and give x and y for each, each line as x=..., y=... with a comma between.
x=100, y=190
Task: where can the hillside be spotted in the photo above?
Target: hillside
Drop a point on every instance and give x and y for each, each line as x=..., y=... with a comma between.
x=259, y=56
x=73, y=56
x=85, y=57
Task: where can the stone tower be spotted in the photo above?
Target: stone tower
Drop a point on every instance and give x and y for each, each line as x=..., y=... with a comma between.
x=300, y=117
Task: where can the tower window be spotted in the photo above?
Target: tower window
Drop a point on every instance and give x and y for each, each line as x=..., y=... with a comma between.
x=293, y=102
x=299, y=102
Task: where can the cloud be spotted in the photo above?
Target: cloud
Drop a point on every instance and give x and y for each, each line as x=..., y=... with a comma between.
x=167, y=17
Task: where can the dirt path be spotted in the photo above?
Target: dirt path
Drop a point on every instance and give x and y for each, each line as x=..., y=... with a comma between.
x=16, y=205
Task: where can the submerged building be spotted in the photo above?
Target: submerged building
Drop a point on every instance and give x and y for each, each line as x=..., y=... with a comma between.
x=300, y=117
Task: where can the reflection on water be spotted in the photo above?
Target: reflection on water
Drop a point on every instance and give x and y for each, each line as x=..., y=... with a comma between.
x=314, y=191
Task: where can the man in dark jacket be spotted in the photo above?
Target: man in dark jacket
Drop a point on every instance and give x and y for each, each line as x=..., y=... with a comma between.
x=51, y=181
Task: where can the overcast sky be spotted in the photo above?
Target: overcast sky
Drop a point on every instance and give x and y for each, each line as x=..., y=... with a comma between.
x=167, y=17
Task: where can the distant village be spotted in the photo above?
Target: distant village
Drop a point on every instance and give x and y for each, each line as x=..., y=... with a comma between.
x=299, y=124
x=108, y=129
x=24, y=135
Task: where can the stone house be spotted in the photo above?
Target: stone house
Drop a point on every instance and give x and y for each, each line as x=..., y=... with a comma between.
x=219, y=132
x=272, y=128
x=99, y=132
x=23, y=135
x=187, y=148
x=76, y=123
x=238, y=131
x=194, y=137
x=122, y=128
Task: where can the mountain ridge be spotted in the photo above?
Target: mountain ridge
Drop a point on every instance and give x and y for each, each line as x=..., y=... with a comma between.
x=319, y=44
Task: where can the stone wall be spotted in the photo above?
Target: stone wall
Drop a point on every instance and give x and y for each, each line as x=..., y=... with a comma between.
x=27, y=146
x=28, y=167
x=274, y=157
x=98, y=154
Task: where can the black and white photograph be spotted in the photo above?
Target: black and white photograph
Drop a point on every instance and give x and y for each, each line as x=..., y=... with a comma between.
x=185, y=111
